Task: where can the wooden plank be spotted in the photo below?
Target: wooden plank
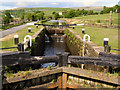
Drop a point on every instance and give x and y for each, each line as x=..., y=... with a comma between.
x=99, y=76
x=33, y=75
x=64, y=80
x=72, y=86
x=59, y=80
x=53, y=85
x=43, y=86
x=92, y=60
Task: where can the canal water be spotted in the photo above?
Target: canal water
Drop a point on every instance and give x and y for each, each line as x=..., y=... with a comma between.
x=53, y=44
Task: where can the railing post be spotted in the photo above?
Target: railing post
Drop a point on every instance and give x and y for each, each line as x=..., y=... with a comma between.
x=60, y=63
x=65, y=58
x=20, y=47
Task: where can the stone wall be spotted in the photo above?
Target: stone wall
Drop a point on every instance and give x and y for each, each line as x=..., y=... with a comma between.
x=38, y=44
x=75, y=44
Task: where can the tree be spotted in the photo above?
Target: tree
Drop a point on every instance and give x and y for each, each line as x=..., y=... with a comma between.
x=84, y=12
x=53, y=12
x=104, y=7
x=90, y=12
x=40, y=16
x=7, y=14
x=29, y=16
x=116, y=6
x=37, y=12
x=101, y=12
x=70, y=14
x=56, y=16
x=78, y=12
x=95, y=13
x=7, y=18
x=22, y=16
x=118, y=10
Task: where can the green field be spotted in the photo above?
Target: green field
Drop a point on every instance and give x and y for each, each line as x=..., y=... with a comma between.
x=104, y=18
x=9, y=42
x=98, y=34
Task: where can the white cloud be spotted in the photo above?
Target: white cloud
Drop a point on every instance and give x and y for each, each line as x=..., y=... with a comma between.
x=56, y=0
x=5, y=8
x=21, y=4
x=54, y=3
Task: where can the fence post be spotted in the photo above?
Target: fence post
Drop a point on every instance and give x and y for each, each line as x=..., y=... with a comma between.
x=60, y=63
x=110, y=20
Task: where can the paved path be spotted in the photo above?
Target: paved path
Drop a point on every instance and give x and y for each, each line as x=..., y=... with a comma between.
x=13, y=29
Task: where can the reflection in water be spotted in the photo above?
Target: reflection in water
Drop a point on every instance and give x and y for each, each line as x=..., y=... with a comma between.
x=56, y=44
x=52, y=48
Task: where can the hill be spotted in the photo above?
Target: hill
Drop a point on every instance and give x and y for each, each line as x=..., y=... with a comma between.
x=48, y=11
x=97, y=8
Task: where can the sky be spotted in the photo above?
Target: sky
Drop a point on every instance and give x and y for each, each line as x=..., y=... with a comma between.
x=10, y=4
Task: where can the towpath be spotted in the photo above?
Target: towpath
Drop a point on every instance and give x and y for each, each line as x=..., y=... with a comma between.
x=14, y=29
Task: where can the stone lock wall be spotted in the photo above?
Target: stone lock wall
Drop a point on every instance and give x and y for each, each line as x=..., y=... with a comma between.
x=38, y=44
x=75, y=44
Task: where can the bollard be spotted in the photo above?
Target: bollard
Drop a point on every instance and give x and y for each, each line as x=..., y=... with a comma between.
x=65, y=58
x=60, y=63
x=16, y=39
x=73, y=27
x=107, y=48
x=105, y=41
x=20, y=47
x=29, y=30
x=36, y=26
x=83, y=31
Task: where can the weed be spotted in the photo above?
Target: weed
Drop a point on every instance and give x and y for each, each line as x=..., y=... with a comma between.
x=84, y=85
x=69, y=80
x=49, y=67
x=9, y=74
x=27, y=73
x=98, y=21
x=71, y=41
x=30, y=69
x=20, y=72
x=6, y=67
x=74, y=38
x=54, y=80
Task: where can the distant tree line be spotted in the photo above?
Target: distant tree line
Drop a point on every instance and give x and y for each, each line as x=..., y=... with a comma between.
x=76, y=13
x=7, y=16
x=115, y=8
x=38, y=15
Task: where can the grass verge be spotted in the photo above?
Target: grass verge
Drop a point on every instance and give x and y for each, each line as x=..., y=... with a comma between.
x=9, y=40
x=104, y=18
x=97, y=35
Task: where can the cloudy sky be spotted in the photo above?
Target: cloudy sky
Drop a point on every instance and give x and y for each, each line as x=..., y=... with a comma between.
x=9, y=4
